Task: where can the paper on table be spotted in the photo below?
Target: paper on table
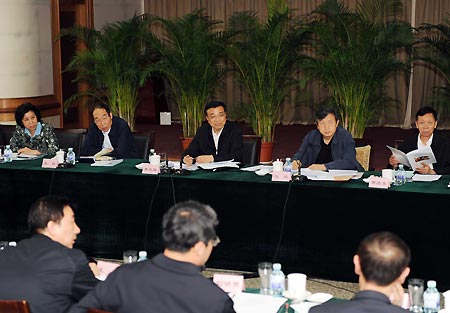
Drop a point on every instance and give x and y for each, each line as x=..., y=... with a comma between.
x=107, y=163
x=105, y=268
x=424, y=177
x=414, y=158
x=213, y=165
x=252, y=302
x=257, y=168
x=303, y=307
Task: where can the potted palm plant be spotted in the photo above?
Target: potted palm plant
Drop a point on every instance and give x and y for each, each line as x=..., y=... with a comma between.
x=112, y=63
x=433, y=47
x=266, y=54
x=191, y=49
x=355, y=54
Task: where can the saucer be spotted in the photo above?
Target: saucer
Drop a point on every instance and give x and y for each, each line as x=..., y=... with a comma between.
x=319, y=297
x=286, y=294
x=266, y=163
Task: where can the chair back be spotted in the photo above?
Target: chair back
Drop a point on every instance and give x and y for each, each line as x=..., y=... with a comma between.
x=144, y=142
x=14, y=306
x=70, y=138
x=251, y=149
x=363, y=156
x=6, y=132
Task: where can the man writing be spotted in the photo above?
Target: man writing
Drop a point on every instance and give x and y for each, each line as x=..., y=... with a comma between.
x=44, y=269
x=381, y=262
x=109, y=134
x=171, y=281
x=216, y=140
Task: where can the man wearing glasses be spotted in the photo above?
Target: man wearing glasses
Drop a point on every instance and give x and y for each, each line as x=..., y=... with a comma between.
x=172, y=280
x=109, y=134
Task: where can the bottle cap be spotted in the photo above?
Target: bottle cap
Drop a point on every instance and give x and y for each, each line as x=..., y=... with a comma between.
x=12, y=244
x=288, y=159
x=431, y=283
x=142, y=253
x=276, y=266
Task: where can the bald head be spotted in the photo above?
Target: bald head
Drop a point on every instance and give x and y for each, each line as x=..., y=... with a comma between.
x=383, y=256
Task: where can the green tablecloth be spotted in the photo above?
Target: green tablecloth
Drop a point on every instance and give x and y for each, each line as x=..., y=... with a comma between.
x=311, y=227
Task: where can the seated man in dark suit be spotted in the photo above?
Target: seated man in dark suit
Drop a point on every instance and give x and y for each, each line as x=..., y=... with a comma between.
x=109, y=133
x=381, y=262
x=171, y=281
x=426, y=123
x=216, y=140
x=44, y=269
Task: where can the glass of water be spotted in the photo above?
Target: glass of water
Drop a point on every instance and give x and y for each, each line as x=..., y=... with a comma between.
x=264, y=271
x=415, y=291
x=130, y=256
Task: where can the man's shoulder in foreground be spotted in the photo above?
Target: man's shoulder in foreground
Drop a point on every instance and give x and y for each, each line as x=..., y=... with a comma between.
x=364, y=301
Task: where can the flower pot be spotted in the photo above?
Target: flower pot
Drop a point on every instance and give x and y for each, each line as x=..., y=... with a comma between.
x=266, y=151
x=185, y=142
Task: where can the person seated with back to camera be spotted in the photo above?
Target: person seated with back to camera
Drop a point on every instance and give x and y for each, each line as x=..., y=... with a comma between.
x=32, y=136
x=426, y=123
x=110, y=134
x=217, y=139
x=327, y=147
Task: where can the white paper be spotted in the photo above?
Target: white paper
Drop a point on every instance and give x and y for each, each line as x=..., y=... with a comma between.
x=256, y=303
x=414, y=158
x=331, y=175
x=257, y=168
x=214, y=165
x=303, y=307
x=425, y=177
x=107, y=163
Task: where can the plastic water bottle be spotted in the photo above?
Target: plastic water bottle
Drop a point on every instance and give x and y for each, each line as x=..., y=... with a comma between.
x=287, y=165
x=142, y=256
x=277, y=280
x=70, y=158
x=431, y=298
x=7, y=155
x=400, y=175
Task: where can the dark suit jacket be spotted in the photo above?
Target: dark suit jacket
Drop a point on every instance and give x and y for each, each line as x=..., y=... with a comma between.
x=364, y=302
x=440, y=147
x=230, y=143
x=120, y=136
x=158, y=285
x=50, y=276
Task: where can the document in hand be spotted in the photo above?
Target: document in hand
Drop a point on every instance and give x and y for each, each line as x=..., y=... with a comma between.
x=415, y=158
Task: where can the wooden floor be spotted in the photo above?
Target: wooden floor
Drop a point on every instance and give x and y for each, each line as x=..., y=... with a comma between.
x=287, y=140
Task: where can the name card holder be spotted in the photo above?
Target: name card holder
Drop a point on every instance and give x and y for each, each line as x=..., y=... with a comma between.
x=49, y=163
x=229, y=283
x=379, y=182
x=152, y=169
x=281, y=176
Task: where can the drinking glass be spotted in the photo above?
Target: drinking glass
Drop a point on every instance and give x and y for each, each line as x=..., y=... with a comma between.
x=163, y=160
x=264, y=271
x=415, y=291
x=130, y=256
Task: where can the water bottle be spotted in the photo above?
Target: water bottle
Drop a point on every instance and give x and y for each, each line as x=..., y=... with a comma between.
x=7, y=155
x=287, y=165
x=142, y=256
x=70, y=158
x=431, y=298
x=400, y=175
x=277, y=280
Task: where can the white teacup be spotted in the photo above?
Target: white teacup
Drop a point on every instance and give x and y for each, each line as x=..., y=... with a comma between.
x=155, y=159
x=387, y=173
x=296, y=285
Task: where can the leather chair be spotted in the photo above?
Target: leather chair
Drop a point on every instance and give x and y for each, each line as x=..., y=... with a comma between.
x=14, y=306
x=6, y=132
x=251, y=149
x=144, y=142
x=70, y=138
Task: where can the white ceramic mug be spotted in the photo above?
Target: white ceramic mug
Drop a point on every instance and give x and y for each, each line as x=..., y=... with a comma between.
x=155, y=159
x=277, y=166
x=296, y=285
x=60, y=156
x=387, y=173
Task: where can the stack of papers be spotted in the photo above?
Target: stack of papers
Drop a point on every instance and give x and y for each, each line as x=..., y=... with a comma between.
x=331, y=175
x=253, y=302
x=424, y=177
x=107, y=163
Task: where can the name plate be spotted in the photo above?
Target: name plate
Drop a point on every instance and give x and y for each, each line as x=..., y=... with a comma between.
x=281, y=176
x=152, y=169
x=229, y=283
x=49, y=163
x=379, y=182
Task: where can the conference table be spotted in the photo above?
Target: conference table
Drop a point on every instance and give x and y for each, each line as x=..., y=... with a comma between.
x=311, y=227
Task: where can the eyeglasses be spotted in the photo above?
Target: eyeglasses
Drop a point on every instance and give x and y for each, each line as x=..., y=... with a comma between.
x=101, y=119
x=215, y=241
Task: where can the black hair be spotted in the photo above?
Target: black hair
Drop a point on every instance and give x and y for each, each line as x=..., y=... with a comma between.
x=186, y=224
x=324, y=111
x=46, y=209
x=214, y=104
x=425, y=110
x=23, y=109
x=100, y=105
x=383, y=256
